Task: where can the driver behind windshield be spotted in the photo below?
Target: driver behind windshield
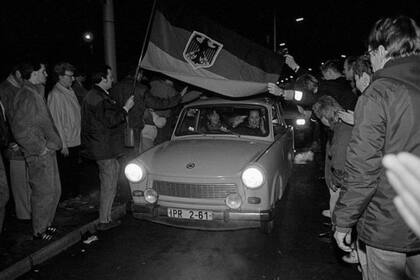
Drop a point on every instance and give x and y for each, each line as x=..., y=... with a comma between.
x=253, y=126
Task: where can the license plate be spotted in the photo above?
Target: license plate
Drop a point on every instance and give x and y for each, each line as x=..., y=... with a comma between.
x=190, y=214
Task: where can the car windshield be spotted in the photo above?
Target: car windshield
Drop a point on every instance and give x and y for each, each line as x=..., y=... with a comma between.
x=224, y=119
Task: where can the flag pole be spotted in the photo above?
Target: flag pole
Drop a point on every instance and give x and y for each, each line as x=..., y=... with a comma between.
x=146, y=37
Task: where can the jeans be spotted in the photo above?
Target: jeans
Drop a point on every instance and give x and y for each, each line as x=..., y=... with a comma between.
x=44, y=180
x=108, y=176
x=390, y=265
x=19, y=183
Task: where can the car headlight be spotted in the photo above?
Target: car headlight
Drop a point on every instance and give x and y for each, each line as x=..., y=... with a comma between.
x=252, y=177
x=233, y=201
x=300, y=122
x=150, y=195
x=134, y=172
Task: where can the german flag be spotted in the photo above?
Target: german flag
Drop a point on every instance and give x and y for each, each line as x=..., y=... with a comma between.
x=191, y=48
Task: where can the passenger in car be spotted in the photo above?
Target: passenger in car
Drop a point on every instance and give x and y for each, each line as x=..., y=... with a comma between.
x=254, y=126
x=213, y=121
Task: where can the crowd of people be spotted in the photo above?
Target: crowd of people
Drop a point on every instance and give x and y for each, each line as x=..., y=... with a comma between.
x=369, y=107
x=372, y=148
x=46, y=134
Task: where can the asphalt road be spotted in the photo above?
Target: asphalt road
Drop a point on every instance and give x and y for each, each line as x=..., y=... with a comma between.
x=143, y=250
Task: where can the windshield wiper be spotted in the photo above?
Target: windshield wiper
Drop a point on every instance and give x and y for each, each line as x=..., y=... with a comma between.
x=228, y=131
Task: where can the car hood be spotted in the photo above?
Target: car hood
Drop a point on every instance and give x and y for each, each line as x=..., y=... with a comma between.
x=202, y=157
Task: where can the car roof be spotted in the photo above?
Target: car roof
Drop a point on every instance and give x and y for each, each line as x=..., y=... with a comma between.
x=219, y=100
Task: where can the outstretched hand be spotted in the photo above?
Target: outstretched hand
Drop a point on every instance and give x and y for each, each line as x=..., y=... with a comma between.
x=275, y=89
x=237, y=120
x=403, y=172
x=184, y=91
x=290, y=61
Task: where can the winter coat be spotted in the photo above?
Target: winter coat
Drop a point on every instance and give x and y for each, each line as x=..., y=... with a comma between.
x=337, y=152
x=387, y=120
x=65, y=111
x=8, y=91
x=103, y=122
x=31, y=122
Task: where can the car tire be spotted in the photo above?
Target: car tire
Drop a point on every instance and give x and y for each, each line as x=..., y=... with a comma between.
x=267, y=227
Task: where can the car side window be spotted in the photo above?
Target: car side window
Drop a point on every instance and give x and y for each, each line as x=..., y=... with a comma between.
x=189, y=122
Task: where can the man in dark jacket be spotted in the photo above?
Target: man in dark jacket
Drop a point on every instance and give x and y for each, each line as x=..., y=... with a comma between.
x=103, y=120
x=387, y=120
x=36, y=135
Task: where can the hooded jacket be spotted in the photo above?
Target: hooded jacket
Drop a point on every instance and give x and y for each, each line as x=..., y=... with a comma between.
x=387, y=120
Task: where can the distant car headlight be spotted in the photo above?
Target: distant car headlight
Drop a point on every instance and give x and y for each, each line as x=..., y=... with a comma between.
x=300, y=122
x=252, y=177
x=298, y=95
x=233, y=201
x=150, y=195
x=134, y=172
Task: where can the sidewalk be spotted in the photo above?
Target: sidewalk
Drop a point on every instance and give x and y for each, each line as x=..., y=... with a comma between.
x=75, y=220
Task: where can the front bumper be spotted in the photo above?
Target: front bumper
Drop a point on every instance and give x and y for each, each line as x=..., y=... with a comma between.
x=222, y=220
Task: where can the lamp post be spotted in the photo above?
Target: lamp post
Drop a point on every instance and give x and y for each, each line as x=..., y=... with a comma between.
x=109, y=36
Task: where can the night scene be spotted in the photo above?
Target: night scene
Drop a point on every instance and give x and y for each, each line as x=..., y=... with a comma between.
x=207, y=140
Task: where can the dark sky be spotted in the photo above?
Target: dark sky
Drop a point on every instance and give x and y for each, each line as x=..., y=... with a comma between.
x=52, y=29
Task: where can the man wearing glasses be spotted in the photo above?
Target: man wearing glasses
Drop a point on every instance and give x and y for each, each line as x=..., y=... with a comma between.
x=386, y=120
x=65, y=111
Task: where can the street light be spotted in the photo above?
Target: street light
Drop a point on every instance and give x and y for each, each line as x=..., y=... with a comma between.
x=88, y=37
x=282, y=44
x=343, y=56
x=299, y=19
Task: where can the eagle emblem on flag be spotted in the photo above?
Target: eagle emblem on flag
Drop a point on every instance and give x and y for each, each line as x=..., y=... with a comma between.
x=201, y=51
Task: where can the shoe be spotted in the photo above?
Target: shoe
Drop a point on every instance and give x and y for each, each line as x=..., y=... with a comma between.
x=51, y=230
x=43, y=236
x=326, y=213
x=107, y=226
x=351, y=257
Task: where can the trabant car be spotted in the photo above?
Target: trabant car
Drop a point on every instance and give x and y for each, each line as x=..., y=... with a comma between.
x=226, y=165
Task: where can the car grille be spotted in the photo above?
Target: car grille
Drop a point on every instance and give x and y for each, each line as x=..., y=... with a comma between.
x=193, y=190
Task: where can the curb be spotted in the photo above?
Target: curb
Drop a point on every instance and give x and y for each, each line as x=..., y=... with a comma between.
x=26, y=264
